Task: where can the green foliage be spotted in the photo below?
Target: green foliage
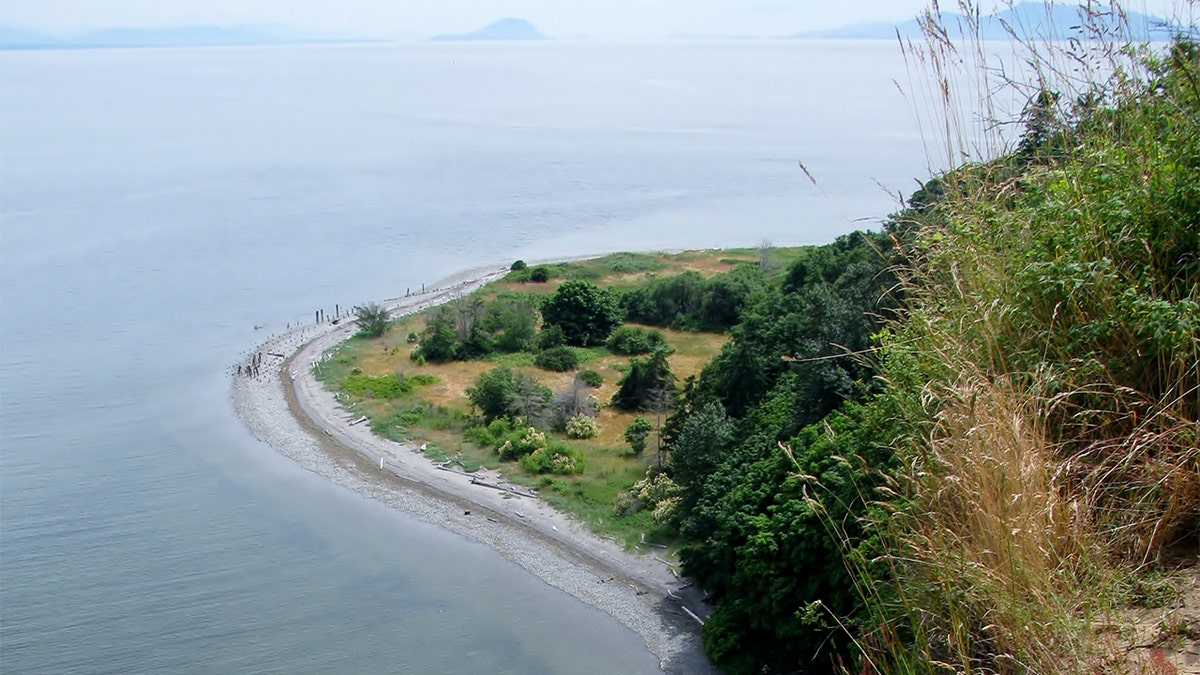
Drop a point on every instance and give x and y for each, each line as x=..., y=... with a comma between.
x=585, y=313
x=1039, y=396
x=372, y=320
x=688, y=301
x=518, y=266
x=382, y=387
x=582, y=426
x=539, y=275
x=648, y=385
x=637, y=432
x=634, y=340
x=630, y=263
x=761, y=546
x=439, y=340
x=393, y=427
x=656, y=492
x=555, y=458
x=521, y=443
x=551, y=336
x=512, y=321
x=491, y=436
x=501, y=393
x=472, y=328
x=558, y=359
x=833, y=299
x=591, y=378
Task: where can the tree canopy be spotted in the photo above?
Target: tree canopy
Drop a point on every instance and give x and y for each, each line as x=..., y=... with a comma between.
x=585, y=313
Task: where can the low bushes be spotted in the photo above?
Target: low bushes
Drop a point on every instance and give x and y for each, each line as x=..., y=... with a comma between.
x=559, y=359
x=634, y=340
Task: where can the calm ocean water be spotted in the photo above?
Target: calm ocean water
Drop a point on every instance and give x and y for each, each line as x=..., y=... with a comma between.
x=156, y=205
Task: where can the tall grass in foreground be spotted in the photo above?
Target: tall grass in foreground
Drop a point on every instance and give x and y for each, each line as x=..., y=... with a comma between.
x=1053, y=335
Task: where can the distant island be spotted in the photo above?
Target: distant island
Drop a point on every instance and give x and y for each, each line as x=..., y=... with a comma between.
x=174, y=36
x=502, y=30
x=1027, y=19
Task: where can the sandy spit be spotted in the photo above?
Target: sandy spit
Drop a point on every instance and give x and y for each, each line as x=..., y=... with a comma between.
x=285, y=407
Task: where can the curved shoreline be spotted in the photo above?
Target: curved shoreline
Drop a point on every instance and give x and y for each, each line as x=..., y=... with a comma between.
x=285, y=407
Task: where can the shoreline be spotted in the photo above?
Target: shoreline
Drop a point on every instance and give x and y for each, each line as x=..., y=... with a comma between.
x=285, y=407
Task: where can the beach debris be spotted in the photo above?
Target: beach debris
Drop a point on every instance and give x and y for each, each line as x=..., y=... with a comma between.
x=693, y=615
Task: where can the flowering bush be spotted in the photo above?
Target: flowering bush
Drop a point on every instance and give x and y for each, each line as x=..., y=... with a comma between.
x=556, y=459
x=530, y=441
x=582, y=426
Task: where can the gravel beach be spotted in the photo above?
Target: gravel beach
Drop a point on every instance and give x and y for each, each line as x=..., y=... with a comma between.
x=285, y=407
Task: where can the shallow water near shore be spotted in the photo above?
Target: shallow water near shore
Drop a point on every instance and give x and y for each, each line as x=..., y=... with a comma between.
x=164, y=211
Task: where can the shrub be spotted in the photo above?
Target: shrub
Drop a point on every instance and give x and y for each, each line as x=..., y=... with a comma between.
x=551, y=337
x=411, y=416
x=491, y=436
x=556, y=458
x=518, y=266
x=634, y=340
x=372, y=320
x=519, y=445
x=656, y=491
x=559, y=359
x=582, y=426
x=591, y=378
x=637, y=432
x=501, y=393
x=539, y=275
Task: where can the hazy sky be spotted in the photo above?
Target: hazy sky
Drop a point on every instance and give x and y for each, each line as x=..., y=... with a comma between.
x=558, y=18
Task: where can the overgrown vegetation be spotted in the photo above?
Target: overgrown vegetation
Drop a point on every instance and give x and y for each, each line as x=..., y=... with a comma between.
x=470, y=378
x=950, y=446
x=372, y=320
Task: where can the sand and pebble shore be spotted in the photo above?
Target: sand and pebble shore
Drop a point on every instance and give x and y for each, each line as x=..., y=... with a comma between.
x=285, y=407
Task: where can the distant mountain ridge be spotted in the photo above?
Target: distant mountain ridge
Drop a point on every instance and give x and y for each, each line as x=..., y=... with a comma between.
x=1027, y=20
x=174, y=36
x=504, y=29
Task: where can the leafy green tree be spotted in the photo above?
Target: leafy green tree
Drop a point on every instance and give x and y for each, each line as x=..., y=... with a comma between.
x=494, y=393
x=704, y=438
x=672, y=301
x=637, y=432
x=372, y=320
x=726, y=294
x=586, y=313
x=439, y=340
x=512, y=320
